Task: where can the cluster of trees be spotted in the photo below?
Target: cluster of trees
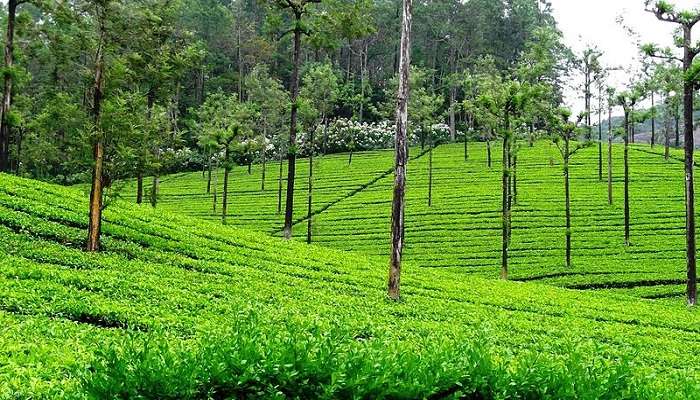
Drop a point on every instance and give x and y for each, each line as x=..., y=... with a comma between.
x=100, y=90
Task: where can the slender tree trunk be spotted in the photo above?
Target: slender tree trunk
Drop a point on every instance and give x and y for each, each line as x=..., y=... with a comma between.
x=653, y=120
x=292, y=157
x=505, y=211
x=678, y=131
x=95, y=220
x=667, y=132
x=155, y=188
x=311, y=187
x=453, y=99
x=5, y=130
x=567, y=196
x=216, y=185
x=688, y=92
x=488, y=153
x=18, y=156
x=627, y=178
x=399, y=201
x=224, y=195
x=600, y=134
x=263, y=156
x=279, y=186
x=466, y=147
x=610, y=156
x=515, y=179
x=430, y=173
x=139, y=188
x=209, y=175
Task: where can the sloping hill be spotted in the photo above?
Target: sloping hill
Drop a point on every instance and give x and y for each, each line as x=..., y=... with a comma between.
x=462, y=228
x=180, y=308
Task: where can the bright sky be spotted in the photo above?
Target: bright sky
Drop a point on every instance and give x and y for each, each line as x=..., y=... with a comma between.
x=594, y=22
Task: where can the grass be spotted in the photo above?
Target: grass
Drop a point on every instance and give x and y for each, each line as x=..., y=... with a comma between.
x=461, y=231
x=176, y=307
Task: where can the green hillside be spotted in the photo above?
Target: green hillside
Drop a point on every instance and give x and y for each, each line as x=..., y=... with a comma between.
x=461, y=231
x=176, y=307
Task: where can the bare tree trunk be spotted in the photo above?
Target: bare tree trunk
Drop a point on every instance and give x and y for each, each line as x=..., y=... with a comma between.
x=95, y=220
x=279, y=186
x=627, y=178
x=292, y=157
x=399, y=201
x=311, y=187
x=216, y=185
x=600, y=134
x=263, y=156
x=653, y=120
x=515, y=178
x=5, y=130
x=567, y=196
x=505, y=210
x=430, y=172
x=678, y=130
x=610, y=157
x=139, y=188
x=488, y=153
x=688, y=92
x=667, y=130
x=453, y=98
x=224, y=195
x=209, y=175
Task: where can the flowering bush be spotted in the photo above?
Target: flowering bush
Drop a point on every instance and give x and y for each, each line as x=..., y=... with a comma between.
x=345, y=135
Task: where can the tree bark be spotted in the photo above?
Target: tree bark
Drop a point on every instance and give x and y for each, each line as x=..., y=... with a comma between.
x=600, y=134
x=227, y=171
x=653, y=120
x=209, y=176
x=627, y=178
x=216, y=185
x=139, y=188
x=292, y=157
x=95, y=213
x=688, y=89
x=279, y=186
x=667, y=131
x=311, y=187
x=488, y=153
x=263, y=156
x=504, y=211
x=567, y=196
x=5, y=130
x=515, y=179
x=399, y=201
x=610, y=156
x=430, y=172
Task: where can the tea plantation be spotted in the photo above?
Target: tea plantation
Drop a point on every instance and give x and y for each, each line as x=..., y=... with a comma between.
x=177, y=307
x=461, y=230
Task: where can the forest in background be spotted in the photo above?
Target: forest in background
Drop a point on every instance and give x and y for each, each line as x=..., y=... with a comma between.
x=174, y=71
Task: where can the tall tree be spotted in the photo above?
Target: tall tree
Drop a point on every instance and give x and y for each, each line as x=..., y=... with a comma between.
x=8, y=75
x=102, y=8
x=399, y=201
x=627, y=100
x=298, y=8
x=686, y=20
x=564, y=133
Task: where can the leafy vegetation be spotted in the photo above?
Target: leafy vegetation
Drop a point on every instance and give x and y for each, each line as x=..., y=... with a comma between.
x=458, y=231
x=175, y=307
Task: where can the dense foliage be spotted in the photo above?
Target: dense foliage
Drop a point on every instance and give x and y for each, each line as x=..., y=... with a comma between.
x=179, y=308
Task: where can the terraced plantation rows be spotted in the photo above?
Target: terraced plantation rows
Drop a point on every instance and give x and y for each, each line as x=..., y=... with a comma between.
x=181, y=308
x=251, y=207
x=461, y=230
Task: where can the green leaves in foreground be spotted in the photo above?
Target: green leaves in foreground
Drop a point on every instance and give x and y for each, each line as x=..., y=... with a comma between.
x=255, y=358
